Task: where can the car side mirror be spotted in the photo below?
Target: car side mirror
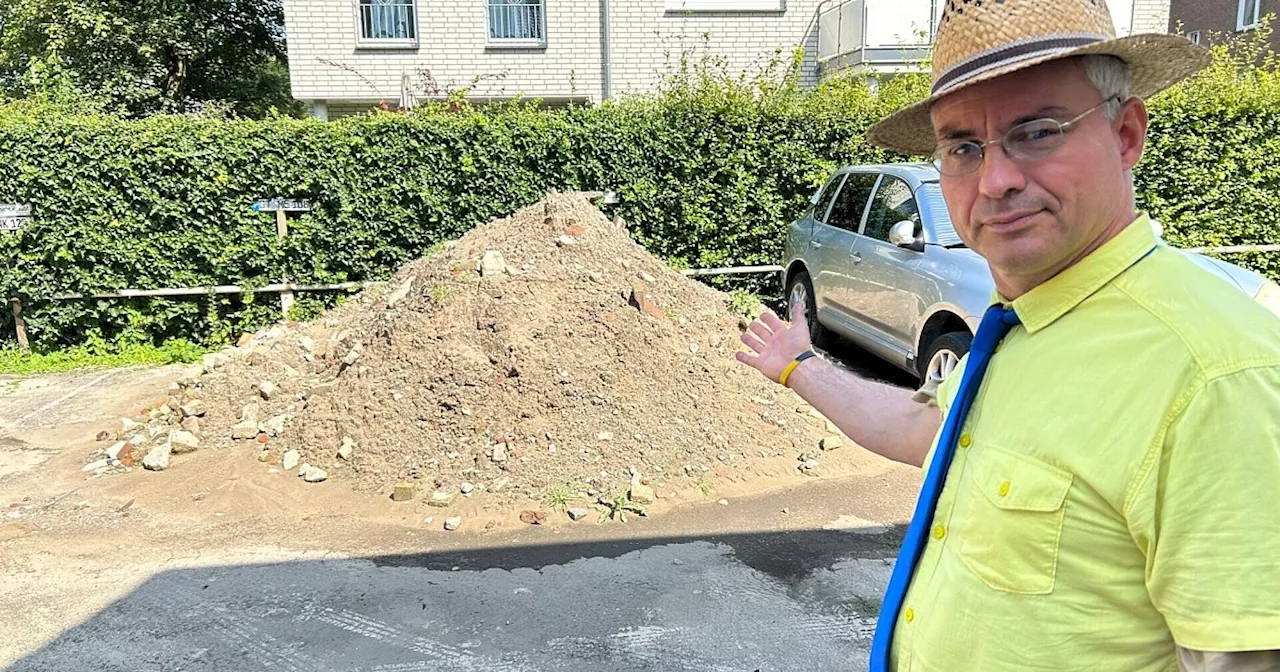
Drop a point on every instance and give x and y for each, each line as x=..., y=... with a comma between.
x=906, y=234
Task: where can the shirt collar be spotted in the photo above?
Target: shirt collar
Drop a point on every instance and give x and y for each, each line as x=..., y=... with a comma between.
x=1055, y=297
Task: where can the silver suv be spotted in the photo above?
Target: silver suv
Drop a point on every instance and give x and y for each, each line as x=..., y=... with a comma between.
x=877, y=261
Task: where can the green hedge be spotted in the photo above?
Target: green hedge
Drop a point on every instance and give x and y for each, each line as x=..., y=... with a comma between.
x=708, y=172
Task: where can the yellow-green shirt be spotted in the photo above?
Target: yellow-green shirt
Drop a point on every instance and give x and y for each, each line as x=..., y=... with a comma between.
x=1116, y=487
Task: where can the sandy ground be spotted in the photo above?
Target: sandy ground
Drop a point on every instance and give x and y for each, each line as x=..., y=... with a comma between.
x=71, y=545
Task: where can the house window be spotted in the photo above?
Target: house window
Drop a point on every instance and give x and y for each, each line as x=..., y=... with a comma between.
x=517, y=22
x=1194, y=36
x=1248, y=15
x=388, y=21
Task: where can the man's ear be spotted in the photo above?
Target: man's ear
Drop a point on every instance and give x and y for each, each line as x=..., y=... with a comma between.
x=1131, y=130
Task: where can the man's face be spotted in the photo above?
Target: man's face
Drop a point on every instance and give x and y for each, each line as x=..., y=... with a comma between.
x=1032, y=218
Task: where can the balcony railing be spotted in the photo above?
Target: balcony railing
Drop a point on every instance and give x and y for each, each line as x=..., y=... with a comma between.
x=516, y=21
x=875, y=32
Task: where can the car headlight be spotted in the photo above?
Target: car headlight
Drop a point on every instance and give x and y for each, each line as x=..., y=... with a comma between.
x=1269, y=297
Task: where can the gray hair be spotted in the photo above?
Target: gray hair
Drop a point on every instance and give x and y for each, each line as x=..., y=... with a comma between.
x=1110, y=76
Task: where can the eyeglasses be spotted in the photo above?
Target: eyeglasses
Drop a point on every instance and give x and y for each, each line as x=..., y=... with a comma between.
x=1025, y=142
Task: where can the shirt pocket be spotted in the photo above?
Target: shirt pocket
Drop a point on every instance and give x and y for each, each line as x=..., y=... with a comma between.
x=1016, y=506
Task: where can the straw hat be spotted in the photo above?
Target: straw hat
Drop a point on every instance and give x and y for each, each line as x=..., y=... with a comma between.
x=980, y=40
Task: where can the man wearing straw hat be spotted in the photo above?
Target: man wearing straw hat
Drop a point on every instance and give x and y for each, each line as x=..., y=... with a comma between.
x=1102, y=474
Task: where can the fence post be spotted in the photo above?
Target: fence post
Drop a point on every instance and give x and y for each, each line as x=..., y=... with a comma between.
x=286, y=296
x=19, y=324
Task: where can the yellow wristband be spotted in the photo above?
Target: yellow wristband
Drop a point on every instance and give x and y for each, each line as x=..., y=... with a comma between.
x=786, y=373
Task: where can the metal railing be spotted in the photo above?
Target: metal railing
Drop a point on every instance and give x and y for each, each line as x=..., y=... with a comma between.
x=388, y=20
x=874, y=32
x=516, y=20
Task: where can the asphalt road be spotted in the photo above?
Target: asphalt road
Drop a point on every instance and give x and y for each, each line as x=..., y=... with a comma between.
x=770, y=601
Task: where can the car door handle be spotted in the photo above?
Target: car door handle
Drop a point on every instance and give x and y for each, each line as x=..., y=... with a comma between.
x=854, y=256
x=815, y=243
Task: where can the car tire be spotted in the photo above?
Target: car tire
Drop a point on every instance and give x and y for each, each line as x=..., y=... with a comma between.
x=802, y=287
x=944, y=353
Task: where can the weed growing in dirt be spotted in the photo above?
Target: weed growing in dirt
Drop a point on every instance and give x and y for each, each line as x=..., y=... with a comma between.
x=561, y=496
x=15, y=361
x=439, y=293
x=617, y=506
x=705, y=487
x=744, y=303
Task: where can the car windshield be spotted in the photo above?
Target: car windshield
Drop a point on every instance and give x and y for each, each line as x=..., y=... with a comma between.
x=930, y=198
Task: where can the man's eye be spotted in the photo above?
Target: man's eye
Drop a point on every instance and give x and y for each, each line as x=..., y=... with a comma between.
x=1034, y=134
x=964, y=150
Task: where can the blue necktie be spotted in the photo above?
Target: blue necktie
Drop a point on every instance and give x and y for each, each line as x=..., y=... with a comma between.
x=995, y=324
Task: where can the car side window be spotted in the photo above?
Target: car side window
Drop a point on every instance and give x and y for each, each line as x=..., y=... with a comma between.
x=846, y=213
x=893, y=203
x=824, y=201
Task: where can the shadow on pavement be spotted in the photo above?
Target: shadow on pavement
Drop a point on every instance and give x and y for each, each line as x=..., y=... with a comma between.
x=768, y=601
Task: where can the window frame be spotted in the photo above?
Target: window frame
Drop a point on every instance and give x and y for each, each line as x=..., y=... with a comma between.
x=515, y=43
x=363, y=42
x=866, y=215
x=862, y=216
x=832, y=187
x=1195, y=37
x=1240, y=12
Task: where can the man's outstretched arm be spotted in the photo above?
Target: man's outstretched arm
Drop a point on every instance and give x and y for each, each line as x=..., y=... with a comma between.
x=881, y=418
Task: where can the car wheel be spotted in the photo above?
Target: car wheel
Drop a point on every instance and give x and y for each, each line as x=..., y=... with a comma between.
x=943, y=355
x=801, y=290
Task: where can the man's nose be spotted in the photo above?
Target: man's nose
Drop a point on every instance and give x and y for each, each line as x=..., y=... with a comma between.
x=999, y=174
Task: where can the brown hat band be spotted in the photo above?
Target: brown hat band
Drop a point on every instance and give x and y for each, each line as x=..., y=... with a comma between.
x=1013, y=51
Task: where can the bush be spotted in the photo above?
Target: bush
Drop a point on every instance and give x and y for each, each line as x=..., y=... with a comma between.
x=709, y=172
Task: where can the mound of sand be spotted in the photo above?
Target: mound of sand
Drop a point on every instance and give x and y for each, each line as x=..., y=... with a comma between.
x=537, y=351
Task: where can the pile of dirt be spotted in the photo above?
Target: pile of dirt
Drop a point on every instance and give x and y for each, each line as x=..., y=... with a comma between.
x=540, y=352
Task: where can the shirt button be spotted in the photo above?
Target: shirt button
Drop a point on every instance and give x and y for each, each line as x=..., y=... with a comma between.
x=910, y=615
x=1004, y=488
x=939, y=532
x=965, y=440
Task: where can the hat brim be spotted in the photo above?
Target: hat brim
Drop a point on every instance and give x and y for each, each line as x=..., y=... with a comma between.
x=1155, y=61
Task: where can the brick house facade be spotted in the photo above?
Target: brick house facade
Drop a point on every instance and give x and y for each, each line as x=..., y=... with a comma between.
x=1202, y=18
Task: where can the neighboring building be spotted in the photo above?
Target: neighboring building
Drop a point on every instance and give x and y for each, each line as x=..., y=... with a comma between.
x=1202, y=20
x=349, y=55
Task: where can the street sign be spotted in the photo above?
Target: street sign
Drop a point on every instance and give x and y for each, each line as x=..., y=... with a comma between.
x=14, y=216
x=281, y=205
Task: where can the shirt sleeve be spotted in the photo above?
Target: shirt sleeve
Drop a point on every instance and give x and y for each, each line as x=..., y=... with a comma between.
x=1207, y=515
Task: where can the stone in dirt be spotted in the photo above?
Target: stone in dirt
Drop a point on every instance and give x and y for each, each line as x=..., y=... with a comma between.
x=641, y=299
x=831, y=442
x=492, y=263
x=266, y=389
x=244, y=431
x=401, y=292
x=129, y=425
x=466, y=488
x=499, y=485
x=642, y=494
x=275, y=426
x=402, y=492
x=290, y=460
x=314, y=474
x=499, y=453
x=264, y=455
x=183, y=442
x=442, y=498
x=195, y=408
x=307, y=344
x=578, y=513
x=452, y=524
x=157, y=459
x=566, y=241
x=191, y=424
x=249, y=414
x=104, y=435
x=113, y=453
x=347, y=449
x=94, y=466
x=161, y=413
x=533, y=517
